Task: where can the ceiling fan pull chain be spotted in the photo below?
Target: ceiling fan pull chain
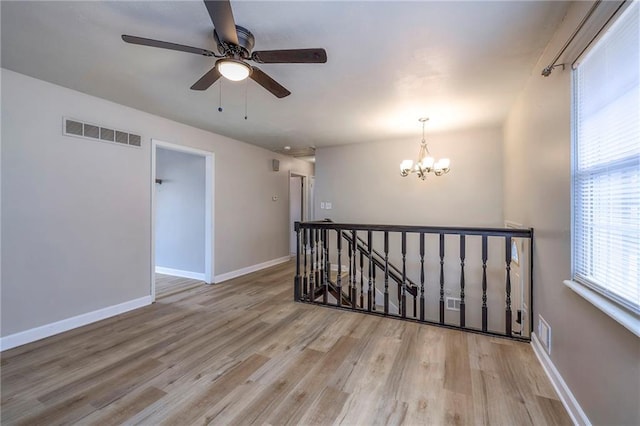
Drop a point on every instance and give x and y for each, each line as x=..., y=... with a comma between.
x=220, y=98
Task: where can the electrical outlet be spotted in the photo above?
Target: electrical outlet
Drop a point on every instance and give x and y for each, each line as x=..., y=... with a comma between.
x=328, y=206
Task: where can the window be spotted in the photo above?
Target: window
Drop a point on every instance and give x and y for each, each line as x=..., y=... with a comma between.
x=606, y=164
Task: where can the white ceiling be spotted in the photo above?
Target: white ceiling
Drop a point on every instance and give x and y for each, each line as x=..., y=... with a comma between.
x=460, y=63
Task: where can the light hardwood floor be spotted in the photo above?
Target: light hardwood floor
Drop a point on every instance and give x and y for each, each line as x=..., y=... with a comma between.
x=242, y=352
x=166, y=285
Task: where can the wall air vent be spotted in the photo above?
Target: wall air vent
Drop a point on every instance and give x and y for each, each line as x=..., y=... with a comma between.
x=91, y=131
x=106, y=134
x=71, y=127
x=122, y=137
x=453, y=303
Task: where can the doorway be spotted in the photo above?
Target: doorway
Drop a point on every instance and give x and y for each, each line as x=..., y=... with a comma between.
x=297, y=203
x=182, y=213
x=519, y=283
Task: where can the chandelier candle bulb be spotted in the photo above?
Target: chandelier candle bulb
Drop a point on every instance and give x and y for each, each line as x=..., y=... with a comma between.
x=426, y=163
x=405, y=167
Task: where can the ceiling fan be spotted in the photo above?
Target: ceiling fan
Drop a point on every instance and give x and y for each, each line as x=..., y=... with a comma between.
x=235, y=44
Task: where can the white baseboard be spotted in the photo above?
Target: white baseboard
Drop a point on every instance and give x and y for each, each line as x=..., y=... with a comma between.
x=253, y=268
x=28, y=336
x=180, y=273
x=570, y=403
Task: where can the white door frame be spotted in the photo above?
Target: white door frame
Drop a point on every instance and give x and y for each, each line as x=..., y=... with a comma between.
x=305, y=197
x=311, y=183
x=209, y=228
x=522, y=272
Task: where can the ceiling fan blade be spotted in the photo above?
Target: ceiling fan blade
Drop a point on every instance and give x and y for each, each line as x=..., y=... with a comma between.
x=166, y=45
x=291, y=56
x=268, y=83
x=222, y=18
x=207, y=80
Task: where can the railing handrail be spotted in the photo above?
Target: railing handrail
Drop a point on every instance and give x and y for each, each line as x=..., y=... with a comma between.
x=453, y=230
x=318, y=275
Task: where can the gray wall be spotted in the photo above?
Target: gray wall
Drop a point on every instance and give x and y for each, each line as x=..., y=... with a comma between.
x=598, y=358
x=76, y=213
x=180, y=210
x=363, y=181
x=364, y=185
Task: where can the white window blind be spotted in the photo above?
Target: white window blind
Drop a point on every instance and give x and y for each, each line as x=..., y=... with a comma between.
x=606, y=164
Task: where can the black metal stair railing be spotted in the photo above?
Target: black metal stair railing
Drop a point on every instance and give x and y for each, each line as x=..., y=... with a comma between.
x=332, y=287
x=355, y=281
x=382, y=262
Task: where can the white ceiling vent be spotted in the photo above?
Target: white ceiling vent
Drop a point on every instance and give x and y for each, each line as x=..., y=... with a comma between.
x=84, y=130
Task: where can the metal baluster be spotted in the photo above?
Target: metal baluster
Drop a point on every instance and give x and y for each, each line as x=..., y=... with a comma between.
x=339, y=278
x=422, y=276
x=371, y=267
x=354, y=291
x=318, y=265
x=484, y=283
x=312, y=266
x=325, y=272
x=327, y=238
x=361, y=280
x=508, y=285
x=441, y=278
x=403, y=307
x=373, y=307
x=386, y=272
x=462, y=256
x=350, y=249
x=296, y=288
x=305, y=232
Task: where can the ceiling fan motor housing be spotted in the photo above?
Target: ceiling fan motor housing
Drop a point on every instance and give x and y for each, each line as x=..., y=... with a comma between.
x=246, y=41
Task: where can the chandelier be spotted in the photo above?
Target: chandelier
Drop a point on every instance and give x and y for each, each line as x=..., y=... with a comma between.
x=426, y=163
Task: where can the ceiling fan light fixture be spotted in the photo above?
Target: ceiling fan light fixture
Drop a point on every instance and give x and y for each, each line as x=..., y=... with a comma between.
x=233, y=69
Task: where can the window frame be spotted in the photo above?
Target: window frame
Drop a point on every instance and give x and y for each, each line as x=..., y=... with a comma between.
x=627, y=313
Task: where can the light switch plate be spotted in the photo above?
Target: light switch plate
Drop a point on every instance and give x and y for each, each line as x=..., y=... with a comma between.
x=322, y=204
x=328, y=205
